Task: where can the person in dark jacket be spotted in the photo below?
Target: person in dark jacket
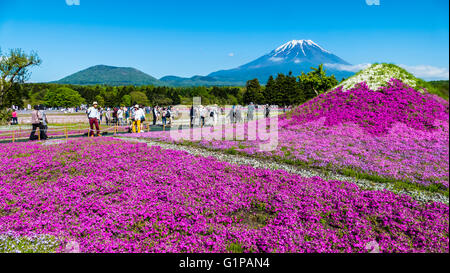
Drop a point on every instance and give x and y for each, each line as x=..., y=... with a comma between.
x=191, y=114
x=154, y=114
x=267, y=111
x=44, y=123
x=36, y=118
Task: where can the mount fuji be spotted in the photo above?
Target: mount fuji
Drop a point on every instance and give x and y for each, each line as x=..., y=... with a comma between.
x=296, y=56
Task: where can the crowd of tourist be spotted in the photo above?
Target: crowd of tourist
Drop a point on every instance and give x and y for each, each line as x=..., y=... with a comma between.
x=134, y=117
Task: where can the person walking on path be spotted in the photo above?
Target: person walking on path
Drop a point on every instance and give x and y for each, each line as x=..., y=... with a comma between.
x=164, y=116
x=114, y=115
x=251, y=111
x=108, y=116
x=100, y=111
x=232, y=114
x=138, y=115
x=267, y=111
x=44, y=123
x=143, y=112
x=202, y=115
x=169, y=115
x=35, y=122
x=155, y=114
x=94, y=116
x=120, y=114
x=14, y=117
x=238, y=114
x=127, y=115
x=215, y=112
x=192, y=114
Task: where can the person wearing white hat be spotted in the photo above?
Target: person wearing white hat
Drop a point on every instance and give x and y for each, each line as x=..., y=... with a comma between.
x=94, y=116
x=139, y=114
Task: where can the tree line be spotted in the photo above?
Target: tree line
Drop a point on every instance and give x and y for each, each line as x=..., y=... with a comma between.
x=65, y=95
x=281, y=90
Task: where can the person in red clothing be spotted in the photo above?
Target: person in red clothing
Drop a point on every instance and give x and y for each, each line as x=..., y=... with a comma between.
x=94, y=116
x=14, y=117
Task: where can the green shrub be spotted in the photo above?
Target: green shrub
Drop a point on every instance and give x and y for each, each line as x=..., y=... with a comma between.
x=5, y=116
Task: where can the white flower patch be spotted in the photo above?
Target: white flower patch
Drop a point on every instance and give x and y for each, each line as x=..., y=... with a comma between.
x=377, y=76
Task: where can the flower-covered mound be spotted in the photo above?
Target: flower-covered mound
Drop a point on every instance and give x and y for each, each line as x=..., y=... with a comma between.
x=393, y=135
x=375, y=112
x=114, y=196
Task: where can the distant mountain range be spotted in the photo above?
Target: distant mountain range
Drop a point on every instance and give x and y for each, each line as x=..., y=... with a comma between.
x=296, y=56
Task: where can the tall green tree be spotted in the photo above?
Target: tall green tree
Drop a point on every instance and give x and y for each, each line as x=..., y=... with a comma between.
x=139, y=98
x=126, y=100
x=16, y=95
x=100, y=100
x=280, y=90
x=14, y=68
x=176, y=99
x=252, y=92
x=269, y=91
x=291, y=90
x=316, y=82
x=63, y=97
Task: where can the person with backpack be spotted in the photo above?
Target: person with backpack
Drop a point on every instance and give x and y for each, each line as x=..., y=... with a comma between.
x=267, y=111
x=36, y=118
x=202, y=111
x=215, y=115
x=169, y=115
x=232, y=114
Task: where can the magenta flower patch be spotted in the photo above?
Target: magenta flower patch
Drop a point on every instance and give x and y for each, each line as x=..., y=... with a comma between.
x=112, y=196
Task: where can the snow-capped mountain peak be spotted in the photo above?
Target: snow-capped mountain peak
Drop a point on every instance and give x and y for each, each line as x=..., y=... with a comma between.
x=297, y=46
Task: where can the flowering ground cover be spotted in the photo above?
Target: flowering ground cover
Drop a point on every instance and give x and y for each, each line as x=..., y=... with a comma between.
x=394, y=134
x=55, y=132
x=115, y=196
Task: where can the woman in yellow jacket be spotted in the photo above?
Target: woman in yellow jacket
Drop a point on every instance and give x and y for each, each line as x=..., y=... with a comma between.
x=138, y=115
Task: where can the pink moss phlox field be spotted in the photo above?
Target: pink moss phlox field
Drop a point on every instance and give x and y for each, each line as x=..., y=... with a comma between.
x=395, y=132
x=8, y=135
x=375, y=112
x=116, y=196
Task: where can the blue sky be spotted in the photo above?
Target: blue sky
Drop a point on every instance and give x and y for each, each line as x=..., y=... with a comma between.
x=187, y=38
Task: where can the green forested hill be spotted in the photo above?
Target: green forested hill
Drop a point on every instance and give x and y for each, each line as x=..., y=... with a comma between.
x=109, y=75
